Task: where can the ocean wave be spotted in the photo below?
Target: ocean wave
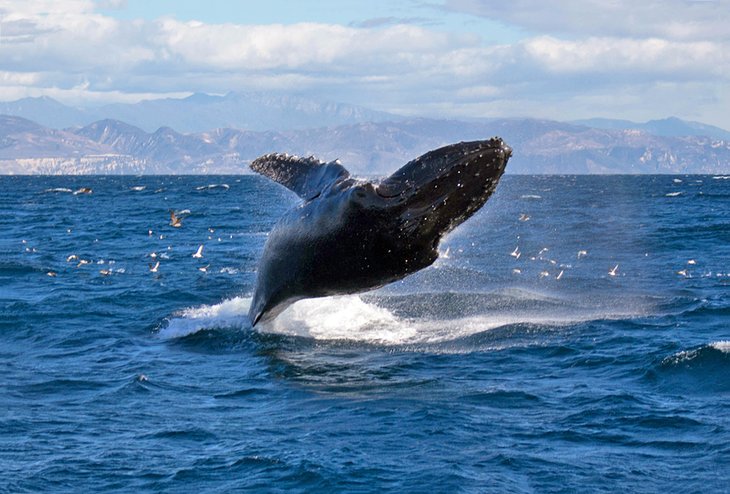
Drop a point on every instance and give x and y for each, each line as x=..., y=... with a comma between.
x=702, y=368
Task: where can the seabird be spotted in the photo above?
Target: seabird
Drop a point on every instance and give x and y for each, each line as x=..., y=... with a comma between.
x=153, y=269
x=613, y=271
x=175, y=221
x=199, y=253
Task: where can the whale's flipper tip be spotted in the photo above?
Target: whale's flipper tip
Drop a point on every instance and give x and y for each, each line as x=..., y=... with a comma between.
x=304, y=176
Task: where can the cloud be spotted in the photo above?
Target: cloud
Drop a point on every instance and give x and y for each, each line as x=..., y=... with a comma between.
x=577, y=59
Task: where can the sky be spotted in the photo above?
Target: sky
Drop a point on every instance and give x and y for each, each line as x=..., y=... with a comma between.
x=563, y=60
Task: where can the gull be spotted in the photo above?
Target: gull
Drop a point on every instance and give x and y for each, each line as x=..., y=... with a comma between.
x=613, y=271
x=175, y=221
x=153, y=269
x=542, y=251
x=682, y=272
x=105, y=272
x=516, y=271
x=149, y=233
x=211, y=230
x=72, y=257
x=52, y=274
x=544, y=274
x=82, y=262
x=83, y=190
x=153, y=255
x=560, y=275
x=582, y=253
x=524, y=217
x=445, y=255
x=199, y=253
x=516, y=253
x=691, y=261
x=204, y=269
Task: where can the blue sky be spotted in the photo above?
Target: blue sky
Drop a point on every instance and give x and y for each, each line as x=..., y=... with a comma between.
x=353, y=13
x=561, y=60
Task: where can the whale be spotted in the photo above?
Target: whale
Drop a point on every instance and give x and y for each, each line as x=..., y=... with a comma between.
x=349, y=235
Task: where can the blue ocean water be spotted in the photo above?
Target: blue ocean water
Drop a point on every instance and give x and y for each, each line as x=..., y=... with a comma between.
x=573, y=337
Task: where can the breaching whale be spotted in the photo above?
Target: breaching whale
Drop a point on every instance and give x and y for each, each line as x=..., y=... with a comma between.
x=351, y=235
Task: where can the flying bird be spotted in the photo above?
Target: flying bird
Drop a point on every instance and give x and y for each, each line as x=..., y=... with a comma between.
x=175, y=221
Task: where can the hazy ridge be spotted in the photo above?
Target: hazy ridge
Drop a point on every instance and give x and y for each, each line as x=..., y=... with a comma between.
x=365, y=141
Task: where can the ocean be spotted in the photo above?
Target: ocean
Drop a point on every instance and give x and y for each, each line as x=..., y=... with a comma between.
x=573, y=336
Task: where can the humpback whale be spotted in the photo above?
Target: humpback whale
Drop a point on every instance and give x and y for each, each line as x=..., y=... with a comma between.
x=351, y=235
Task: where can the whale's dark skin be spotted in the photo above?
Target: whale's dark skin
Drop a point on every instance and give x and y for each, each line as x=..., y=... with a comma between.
x=351, y=235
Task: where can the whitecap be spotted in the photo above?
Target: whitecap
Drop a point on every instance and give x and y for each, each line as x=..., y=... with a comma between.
x=722, y=345
x=213, y=187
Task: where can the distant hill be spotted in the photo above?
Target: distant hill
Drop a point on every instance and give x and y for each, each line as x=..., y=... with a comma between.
x=199, y=112
x=540, y=146
x=668, y=127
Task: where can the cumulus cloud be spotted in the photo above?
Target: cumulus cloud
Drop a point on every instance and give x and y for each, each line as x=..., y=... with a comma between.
x=572, y=62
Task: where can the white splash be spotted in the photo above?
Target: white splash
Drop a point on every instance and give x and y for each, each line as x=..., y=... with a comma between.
x=231, y=313
x=353, y=319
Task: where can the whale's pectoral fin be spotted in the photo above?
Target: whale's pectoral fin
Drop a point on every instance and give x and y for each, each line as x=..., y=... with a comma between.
x=305, y=176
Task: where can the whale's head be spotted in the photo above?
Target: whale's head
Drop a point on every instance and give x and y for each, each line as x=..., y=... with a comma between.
x=438, y=191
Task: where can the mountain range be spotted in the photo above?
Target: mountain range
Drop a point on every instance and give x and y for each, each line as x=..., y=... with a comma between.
x=200, y=112
x=111, y=146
